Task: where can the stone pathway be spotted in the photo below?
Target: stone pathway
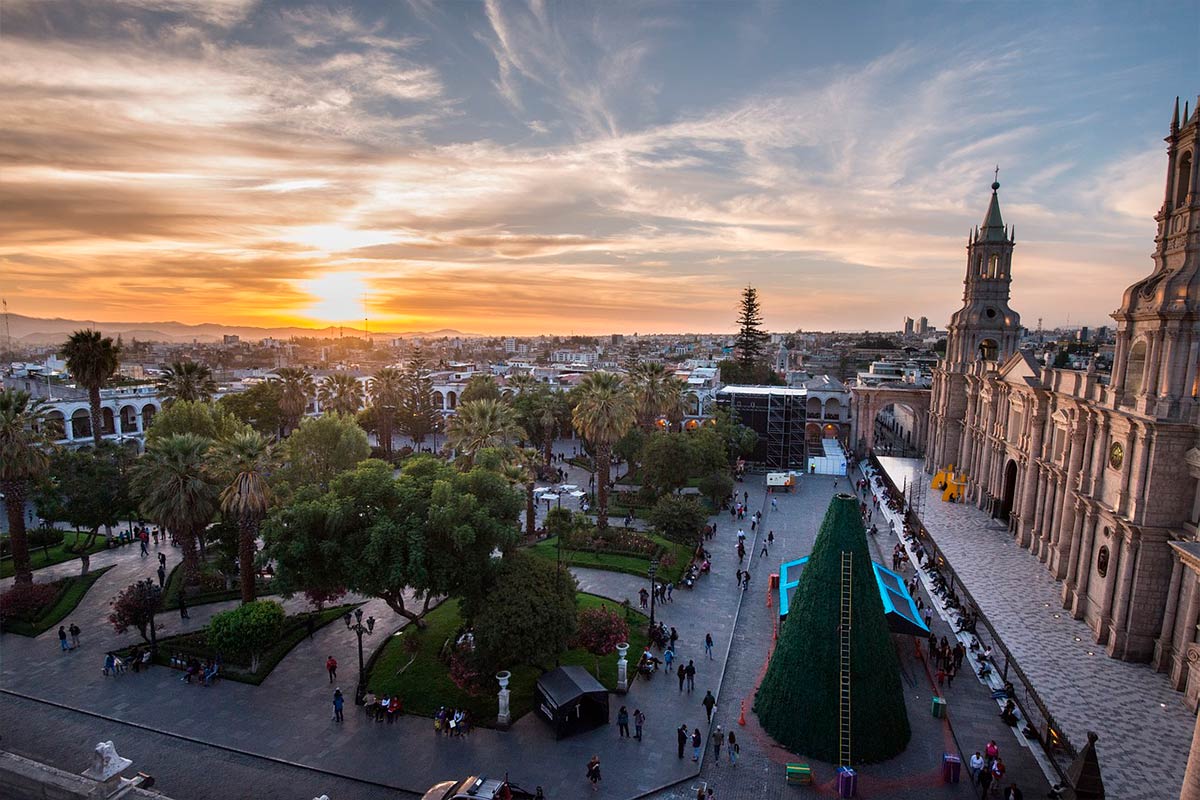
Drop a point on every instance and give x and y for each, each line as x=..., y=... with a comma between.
x=1145, y=729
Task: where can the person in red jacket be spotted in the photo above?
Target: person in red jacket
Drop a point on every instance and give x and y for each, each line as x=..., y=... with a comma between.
x=331, y=668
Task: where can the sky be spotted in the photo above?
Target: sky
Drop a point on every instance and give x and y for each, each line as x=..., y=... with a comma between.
x=541, y=167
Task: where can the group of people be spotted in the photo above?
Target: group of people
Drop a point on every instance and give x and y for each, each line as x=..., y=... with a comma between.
x=204, y=673
x=452, y=722
x=639, y=720
x=720, y=739
x=68, y=638
x=987, y=772
x=383, y=708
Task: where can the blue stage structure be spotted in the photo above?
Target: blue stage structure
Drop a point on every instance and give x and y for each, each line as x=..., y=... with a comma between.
x=898, y=605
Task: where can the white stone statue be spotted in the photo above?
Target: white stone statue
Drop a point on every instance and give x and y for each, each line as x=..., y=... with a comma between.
x=107, y=763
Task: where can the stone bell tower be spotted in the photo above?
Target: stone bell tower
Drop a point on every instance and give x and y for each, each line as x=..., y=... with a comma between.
x=984, y=329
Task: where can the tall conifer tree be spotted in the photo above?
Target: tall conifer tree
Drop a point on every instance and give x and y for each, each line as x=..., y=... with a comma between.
x=752, y=340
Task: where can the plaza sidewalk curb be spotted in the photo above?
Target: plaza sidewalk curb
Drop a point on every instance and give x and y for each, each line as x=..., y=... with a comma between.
x=206, y=743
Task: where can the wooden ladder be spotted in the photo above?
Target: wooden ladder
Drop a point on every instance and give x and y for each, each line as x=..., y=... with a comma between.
x=844, y=629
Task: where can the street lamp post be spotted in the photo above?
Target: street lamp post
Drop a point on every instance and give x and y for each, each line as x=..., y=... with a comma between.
x=359, y=629
x=653, y=571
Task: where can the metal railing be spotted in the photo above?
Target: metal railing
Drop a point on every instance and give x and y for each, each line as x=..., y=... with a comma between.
x=1050, y=734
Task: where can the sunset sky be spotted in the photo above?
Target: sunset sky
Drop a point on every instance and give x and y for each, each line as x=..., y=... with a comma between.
x=576, y=167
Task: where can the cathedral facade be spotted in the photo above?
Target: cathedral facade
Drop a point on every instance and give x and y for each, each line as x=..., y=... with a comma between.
x=1094, y=473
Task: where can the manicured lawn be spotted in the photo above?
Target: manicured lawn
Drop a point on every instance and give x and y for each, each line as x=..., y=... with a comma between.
x=614, y=562
x=426, y=685
x=214, y=595
x=71, y=591
x=295, y=630
x=58, y=553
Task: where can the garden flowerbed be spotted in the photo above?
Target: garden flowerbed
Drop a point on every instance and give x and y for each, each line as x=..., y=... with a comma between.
x=619, y=554
x=420, y=676
x=31, y=611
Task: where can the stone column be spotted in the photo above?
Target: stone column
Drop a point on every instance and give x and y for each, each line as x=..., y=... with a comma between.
x=1124, y=592
x=1030, y=488
x=1066, y=539
x=1191, y=777
x=504, y=715
x=622, y=668
x=1039, y=509
x=1165, y=646
x=1185, y=629
x=1083, y=567
x=1072, y=559
x=1115, y=562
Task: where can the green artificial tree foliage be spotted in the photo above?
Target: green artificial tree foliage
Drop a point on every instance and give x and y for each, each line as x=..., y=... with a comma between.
x=529, y=617
x=666, y=462
x=679, y=518
x=798, y=700
x=323, y=447
x=246, y=631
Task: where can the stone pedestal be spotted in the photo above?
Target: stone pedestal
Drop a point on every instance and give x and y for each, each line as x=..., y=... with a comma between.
x=622, y=668
x=504, y=717
x=106, y=769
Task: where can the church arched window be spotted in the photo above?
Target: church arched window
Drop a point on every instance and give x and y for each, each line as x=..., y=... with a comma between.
x=989, y=350
x=994, y=267
x=1183, y=179
x=1135, y=368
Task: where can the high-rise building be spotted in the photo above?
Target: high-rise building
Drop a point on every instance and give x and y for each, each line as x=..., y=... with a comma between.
x=510, y=345
x=908, y=326
x=922, y=326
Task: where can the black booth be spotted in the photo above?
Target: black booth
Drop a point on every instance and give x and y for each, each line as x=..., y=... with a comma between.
x=571, y=700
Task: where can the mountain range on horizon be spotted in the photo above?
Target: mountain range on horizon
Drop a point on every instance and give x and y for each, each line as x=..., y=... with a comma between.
x=42, y=331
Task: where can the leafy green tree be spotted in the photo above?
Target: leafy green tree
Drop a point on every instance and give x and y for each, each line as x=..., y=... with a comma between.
x=716, y=486
x=92, y=359
x=418, y=414
x=208, y=420
x=258, y=407
x=430, y=533
x=603, y=412
x=542, y=413
x=708, y=450
x=296, y=390
x=321, y=448
x=340, y=393
x=740, y=440
x=87, y=488
x=629, y=447
x=751, y=343
x=246, y=631
x=24, y=446
x=679, y=518
x=760, y=374
x=176, y=490
x=666, y=461
x=135, y=607
x=186, y=380
x=600, y=631
x=480, y=387
x=803, y=715
x=529, y=617
x=244, y=462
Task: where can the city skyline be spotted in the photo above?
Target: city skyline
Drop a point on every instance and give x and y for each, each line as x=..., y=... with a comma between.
x=521, y=169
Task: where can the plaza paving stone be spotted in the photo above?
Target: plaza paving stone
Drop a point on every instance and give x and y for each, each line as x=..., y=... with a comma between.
x=915, y=774
x=1145, y=729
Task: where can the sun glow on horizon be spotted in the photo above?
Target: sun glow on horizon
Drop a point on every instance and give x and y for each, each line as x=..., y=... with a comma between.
x=337, y=297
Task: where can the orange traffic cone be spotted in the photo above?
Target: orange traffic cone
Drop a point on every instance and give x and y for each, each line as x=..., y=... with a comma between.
x=742, y=716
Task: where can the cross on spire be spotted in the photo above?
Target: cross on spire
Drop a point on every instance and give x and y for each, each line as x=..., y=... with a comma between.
x=997, y=173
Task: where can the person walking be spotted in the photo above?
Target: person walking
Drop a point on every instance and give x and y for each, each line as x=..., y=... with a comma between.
x=718, y=739
x=593, y=772
x=142, y=540
x=62, y=641
x=162, y=559
x=733, y=749
x=331, y=668
x=183, y=610
x=338, y=703
x=709, y=702
x=708, y=645
x=162, y=575
x=697, y=744
x=74, y=631
x=774, y=503
x=681, y=736
x=975, y=766
x=741, y=551
x=691, y=676
x=623, y=723
x=681, y=673
x=985, y=780
x=639, y=719
x=668, y=657
x=1013, y=793
x=764, y=552
x=998, y=771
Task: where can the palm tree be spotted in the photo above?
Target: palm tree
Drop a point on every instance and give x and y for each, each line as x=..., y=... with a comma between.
x=648, y=386
x=522, y=469
x=340, y=393
x=92, y=359
x=23, y=458
x=483, y=423
x=519, y=384
x=186, y=380
x=298, y=389
x=604, y=413
x=386, y=387
x=547, y=411
x=175, y=490
x=245, y=460
x=676, y=401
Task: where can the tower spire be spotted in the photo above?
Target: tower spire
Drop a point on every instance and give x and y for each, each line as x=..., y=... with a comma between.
x=993, y=223
x=1175, y=118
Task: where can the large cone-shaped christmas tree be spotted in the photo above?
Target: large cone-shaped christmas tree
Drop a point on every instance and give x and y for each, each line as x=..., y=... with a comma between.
x=798, y=702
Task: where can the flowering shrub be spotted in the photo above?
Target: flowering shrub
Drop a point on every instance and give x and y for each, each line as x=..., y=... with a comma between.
x=614, y=540
x=319, y=598
x=464, y=671
x=26, y=601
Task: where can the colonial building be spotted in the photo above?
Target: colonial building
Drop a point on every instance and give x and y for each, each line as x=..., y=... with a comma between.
x=1094, y=473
